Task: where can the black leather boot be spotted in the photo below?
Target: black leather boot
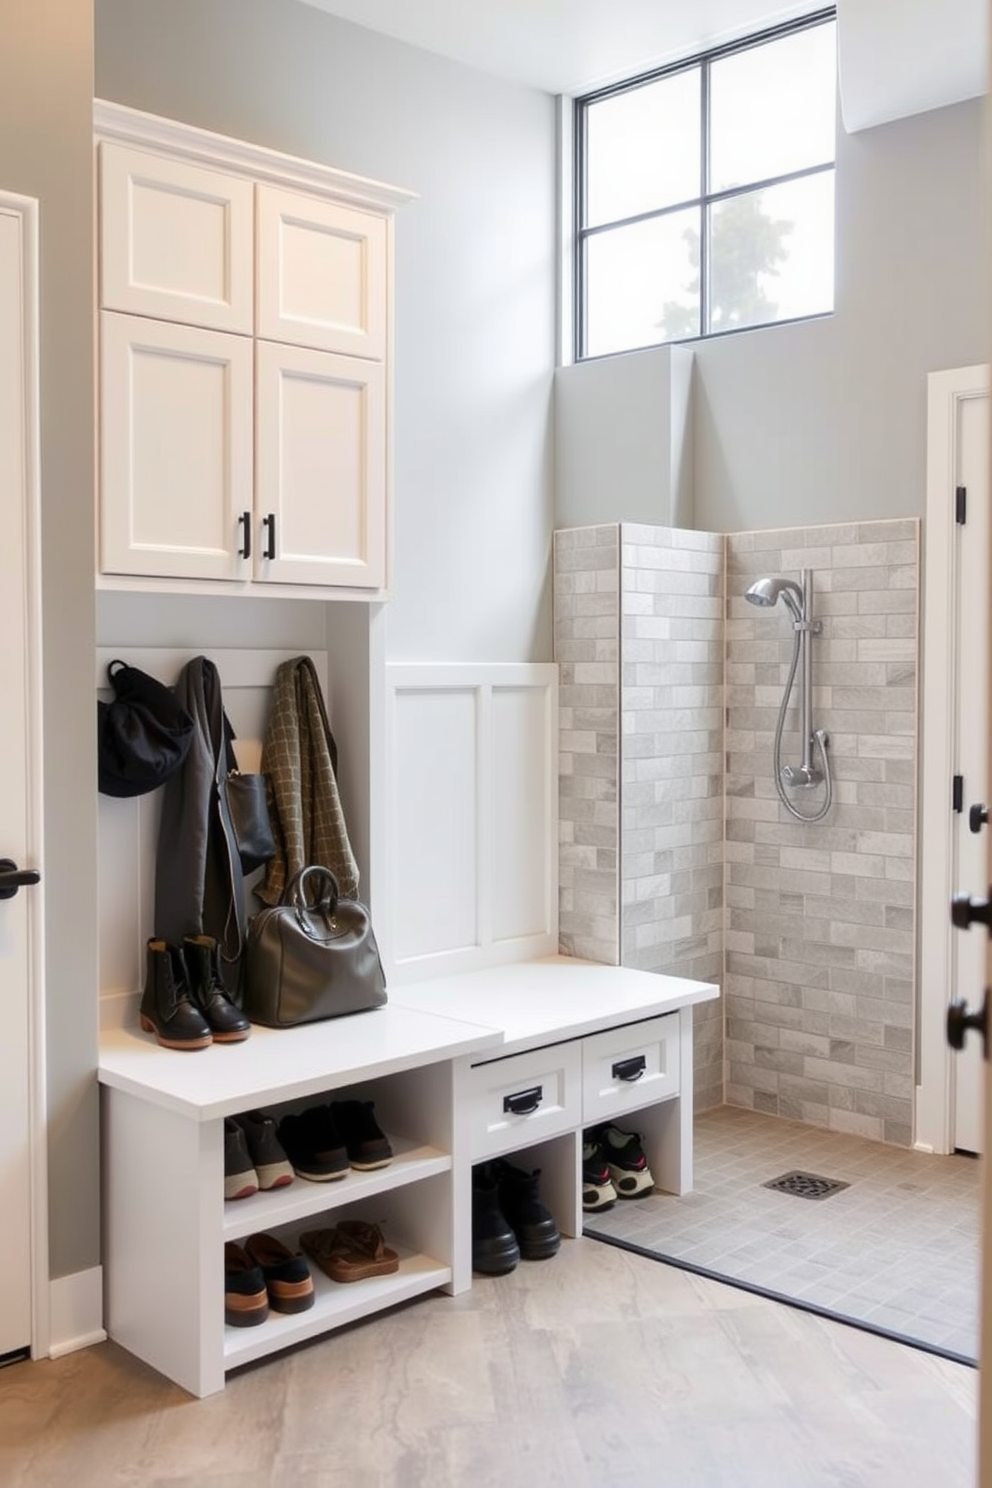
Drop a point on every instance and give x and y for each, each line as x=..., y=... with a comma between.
x=530, y=1220
x=166, y=1009
x=228, y=1023
x=494, y=1245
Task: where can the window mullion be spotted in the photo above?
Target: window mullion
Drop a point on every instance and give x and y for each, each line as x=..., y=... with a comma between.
x=704, y=186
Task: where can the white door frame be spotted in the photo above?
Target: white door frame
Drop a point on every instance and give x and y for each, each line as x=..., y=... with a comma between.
x=25, y=209
x=946, y=391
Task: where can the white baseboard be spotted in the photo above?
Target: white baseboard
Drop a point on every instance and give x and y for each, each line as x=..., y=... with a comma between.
x=76, y=1312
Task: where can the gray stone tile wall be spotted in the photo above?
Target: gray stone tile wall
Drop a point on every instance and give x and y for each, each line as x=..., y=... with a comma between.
x=587, y=649
x=639, y=641
x=820, y=919
x=671, y=792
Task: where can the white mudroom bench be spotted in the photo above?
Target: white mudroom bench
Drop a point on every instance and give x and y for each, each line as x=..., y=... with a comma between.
x=511, y=1059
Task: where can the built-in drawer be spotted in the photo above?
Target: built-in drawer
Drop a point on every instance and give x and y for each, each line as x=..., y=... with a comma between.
x=626, y=1068
x=525, y=1098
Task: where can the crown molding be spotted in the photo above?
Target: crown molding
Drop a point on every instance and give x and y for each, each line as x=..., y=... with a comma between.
x=113, y=121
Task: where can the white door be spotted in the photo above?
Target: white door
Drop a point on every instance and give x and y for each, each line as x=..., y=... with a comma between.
x=21, y=1198
x=949, y=1099
x=971, y=651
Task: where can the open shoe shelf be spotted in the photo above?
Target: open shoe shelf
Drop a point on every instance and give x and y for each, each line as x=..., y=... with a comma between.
x=335, y=1304
x=303, y=1198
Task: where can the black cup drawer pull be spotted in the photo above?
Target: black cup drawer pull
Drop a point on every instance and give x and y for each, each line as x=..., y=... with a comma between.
x=629, y=1069
x=523, y=1102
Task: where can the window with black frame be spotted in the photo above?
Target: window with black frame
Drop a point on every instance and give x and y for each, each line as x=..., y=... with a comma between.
x=705, y=193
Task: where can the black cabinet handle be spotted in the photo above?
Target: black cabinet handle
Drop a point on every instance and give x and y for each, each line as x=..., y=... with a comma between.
x=523, y=1102
x=629, y=1069
x=269, y=521
x=978, y=816
x=959, y=1020
x=13, y=878
x=244, y=521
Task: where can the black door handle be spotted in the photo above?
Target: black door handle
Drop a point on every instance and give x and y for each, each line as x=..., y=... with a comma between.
x=13, y=878
x=966, y=911
x=244, y=522
x=978, y=816
x=959, y=1020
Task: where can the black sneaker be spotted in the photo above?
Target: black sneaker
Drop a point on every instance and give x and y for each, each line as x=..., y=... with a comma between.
x=267, y=1153
x=240, y=1178
x=530, y=1220
x=314, y=1145
x=598, y=1192
x=629, y=1171
x=494, y=1245
x=367, y=1144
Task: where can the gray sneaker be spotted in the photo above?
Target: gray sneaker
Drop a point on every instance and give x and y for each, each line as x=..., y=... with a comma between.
x=240, y=1178
x=267, y=1153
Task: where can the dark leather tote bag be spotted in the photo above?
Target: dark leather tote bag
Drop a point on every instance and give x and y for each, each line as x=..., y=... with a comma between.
x=311, y=957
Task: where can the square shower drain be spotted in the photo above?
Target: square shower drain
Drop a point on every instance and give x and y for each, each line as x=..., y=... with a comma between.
x=806, y=1185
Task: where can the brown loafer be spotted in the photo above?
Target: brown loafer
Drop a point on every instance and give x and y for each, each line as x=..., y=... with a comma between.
x=287, y=1276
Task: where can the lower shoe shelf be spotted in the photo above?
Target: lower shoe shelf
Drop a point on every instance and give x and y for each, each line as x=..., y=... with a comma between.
x=336, y=1303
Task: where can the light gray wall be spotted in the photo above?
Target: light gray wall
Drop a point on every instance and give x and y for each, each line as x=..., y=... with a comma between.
x=826, y=421
x=46, y=94
x=475, y=283
x=623, y=437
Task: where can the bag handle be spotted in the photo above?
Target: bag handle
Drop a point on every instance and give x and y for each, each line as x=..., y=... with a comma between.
x=325, y=889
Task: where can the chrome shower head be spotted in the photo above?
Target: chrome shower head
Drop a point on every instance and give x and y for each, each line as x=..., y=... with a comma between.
x=767, y=592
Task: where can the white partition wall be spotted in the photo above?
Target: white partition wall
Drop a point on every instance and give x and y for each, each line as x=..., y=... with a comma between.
x=470, y=823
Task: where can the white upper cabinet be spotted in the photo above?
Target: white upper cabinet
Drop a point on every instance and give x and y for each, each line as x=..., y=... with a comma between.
x=245, y=382
x=175, y=240
x=320, y=467
x=321, y=274
x=176, y=447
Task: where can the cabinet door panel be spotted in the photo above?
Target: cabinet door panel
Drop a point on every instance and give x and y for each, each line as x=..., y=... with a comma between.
x=176, y=449
x=176, y=240
x=321, y=274
x=320, y=467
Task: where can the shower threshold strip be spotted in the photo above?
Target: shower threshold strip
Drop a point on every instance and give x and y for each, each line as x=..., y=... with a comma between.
x=922, y=1344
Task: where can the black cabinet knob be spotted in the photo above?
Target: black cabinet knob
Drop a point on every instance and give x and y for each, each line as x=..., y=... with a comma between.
x=978, y=816
x=959, y=1020
x=966, y=911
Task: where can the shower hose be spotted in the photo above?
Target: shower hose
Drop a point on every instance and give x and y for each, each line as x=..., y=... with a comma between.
x=820, y=738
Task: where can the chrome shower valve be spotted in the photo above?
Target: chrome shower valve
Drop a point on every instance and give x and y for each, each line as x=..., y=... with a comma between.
x=801, y=777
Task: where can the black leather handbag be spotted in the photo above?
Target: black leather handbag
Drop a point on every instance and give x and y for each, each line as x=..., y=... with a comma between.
x=248, y=808
x=312, y=956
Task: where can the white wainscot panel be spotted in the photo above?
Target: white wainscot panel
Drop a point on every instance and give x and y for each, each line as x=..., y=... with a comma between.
x=435, y=822
x=469, y=830
x=525, y=806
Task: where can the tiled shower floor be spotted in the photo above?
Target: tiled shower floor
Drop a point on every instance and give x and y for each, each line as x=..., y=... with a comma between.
x=898, y=1250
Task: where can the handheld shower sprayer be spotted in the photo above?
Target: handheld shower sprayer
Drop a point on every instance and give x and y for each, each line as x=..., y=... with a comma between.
x=798, y=600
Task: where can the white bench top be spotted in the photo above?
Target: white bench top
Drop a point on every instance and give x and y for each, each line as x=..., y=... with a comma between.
x=533, y=1003
x=491, y=1013
x=278, y=1064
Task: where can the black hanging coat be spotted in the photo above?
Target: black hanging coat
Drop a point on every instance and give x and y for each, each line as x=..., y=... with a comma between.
x=199, y=884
